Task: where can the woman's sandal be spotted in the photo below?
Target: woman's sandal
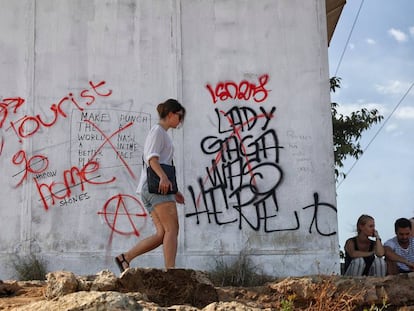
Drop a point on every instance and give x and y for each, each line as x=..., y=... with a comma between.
x=120, y=263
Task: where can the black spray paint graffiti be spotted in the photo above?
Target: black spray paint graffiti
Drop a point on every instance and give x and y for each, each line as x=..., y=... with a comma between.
x=317, y=205
x=244, y=175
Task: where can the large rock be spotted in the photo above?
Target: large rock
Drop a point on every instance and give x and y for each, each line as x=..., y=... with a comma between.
x=60, y=283
x=88, y=301
x=164, y=288
x=236, y=306
x=105, y=281
x=170, y=287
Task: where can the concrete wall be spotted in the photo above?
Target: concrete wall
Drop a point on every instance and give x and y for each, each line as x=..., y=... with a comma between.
x=79, y=85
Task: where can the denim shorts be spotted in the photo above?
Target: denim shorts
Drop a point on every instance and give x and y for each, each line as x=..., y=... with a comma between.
x=150, y=200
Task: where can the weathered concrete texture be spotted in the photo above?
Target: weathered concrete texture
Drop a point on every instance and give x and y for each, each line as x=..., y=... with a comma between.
x=81, y=99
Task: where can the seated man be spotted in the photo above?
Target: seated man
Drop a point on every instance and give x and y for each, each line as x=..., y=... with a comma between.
x=399, y=251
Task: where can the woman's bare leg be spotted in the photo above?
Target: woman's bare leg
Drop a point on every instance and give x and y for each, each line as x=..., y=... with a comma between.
x=146, y=244
x=167, y=214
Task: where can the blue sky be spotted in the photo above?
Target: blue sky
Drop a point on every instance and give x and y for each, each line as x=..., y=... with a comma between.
x=377, y=69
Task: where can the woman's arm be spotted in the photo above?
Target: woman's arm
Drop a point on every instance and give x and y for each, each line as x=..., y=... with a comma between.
x=165, y=184
x=392, y=256
x=378, y=247
x=350, y=249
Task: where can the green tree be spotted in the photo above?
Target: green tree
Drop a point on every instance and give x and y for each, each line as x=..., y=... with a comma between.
x=347, y=130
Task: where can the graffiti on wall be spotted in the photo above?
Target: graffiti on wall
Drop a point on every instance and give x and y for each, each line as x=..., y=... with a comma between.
x=240, y=186
x=100, y=140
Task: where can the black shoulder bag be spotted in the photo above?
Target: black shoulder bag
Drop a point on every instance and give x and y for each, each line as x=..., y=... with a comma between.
x=153, y=180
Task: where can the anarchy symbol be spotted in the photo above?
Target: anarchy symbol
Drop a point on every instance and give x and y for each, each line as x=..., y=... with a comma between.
x=117, y=206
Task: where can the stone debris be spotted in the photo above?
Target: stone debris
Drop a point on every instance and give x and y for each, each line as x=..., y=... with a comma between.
x=8, y=289
x=190, y=290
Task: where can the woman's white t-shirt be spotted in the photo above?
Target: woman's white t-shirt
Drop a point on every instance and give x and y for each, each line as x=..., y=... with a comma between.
x=157, y=144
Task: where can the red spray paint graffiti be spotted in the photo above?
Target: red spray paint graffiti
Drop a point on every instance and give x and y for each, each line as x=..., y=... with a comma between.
x=71, y=178
x=7, y=103
x=243, y=90
x=107, y=139
x=34, y=165
x=27, y=126
x=75, y=176
x=1, y=145
x=116, y=206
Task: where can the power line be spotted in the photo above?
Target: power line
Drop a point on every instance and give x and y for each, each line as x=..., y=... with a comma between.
x=349, y=38
x=379, y=130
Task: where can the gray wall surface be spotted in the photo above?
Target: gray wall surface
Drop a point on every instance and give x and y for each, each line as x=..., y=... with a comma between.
x=79, y=85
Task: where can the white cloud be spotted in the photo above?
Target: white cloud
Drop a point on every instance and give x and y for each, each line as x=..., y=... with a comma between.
x=394, y=130
x=370, y=41
x=347, y=109
x=391, y=127
x=397, y=133
x=393, y=87
x=411, y=29
x=404, y=113
x=398, y=35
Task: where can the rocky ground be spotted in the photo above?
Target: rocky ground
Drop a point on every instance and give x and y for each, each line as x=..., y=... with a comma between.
x=14, y=294
x=181, y=289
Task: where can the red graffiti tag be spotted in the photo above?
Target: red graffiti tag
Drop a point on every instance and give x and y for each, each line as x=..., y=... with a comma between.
x=7, y=103
x=29, y=164
x=243, y=90
x=107, y=139
x=75, y=176
x=1, y=145
x=116, y=206
x=29, y=125
x=71, y=178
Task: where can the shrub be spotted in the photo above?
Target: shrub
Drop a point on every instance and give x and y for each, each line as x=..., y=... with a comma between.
x=330, y=298
x=240, y=273
x=29, y=268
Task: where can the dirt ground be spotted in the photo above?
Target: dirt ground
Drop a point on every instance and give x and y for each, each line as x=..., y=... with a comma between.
x=14, y=294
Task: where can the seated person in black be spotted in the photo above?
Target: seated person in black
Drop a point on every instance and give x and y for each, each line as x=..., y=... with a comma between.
x=363, y=256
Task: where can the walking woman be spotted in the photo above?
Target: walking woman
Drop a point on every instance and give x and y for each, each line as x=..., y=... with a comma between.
x=158, y=149
x=364, y=256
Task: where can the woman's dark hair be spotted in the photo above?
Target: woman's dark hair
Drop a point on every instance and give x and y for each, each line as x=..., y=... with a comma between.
x=170, y=105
